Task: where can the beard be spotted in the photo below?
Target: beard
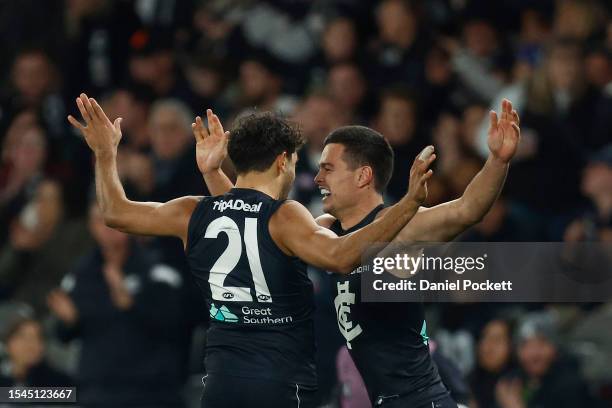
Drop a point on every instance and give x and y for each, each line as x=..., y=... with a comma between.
x=286, y=188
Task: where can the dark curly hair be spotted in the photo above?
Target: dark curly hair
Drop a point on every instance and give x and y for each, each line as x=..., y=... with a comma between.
x=259, y=138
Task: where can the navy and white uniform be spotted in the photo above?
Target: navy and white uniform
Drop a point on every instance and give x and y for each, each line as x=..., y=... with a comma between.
x=260, y=344
x=388, y=342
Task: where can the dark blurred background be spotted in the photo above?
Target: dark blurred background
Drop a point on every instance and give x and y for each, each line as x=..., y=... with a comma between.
x=120, y=317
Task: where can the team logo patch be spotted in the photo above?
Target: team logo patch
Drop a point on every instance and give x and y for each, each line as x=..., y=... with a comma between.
x=222, y=314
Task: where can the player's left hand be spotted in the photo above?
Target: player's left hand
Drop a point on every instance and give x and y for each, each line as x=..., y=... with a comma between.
x=211, y=143
x=504, y=132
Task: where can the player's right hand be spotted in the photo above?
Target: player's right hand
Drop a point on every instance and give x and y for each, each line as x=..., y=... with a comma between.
x=101, y=135
x=419, y=174
x=211, y=143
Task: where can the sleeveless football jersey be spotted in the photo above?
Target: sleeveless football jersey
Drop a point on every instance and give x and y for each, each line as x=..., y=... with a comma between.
x=259, y=299
x=387, y=341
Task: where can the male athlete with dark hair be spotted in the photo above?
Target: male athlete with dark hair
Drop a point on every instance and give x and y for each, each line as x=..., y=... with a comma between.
x=247, y=250
x=387, y=341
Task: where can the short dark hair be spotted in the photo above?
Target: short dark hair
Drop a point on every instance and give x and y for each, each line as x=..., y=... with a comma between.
x=365, y=147
x=258, y=138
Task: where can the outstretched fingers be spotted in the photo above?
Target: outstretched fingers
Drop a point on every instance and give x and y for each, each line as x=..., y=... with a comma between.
x=88, y=107
x=99, y=111
x=199, y=131
x=84, y=114
x=214, y=124
x=76, y=123
x=493, y=120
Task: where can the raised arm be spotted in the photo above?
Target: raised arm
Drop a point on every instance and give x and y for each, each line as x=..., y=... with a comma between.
x=211, y=150
x=445, y=221
x=147, y=218
x=297, y=234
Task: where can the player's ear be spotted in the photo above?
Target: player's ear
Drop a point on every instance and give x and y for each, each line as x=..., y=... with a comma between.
x=281, y=162
x=364, y=176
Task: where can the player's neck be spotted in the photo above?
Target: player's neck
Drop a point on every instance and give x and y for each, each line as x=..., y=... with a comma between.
x=351, y=216
x=260, y=182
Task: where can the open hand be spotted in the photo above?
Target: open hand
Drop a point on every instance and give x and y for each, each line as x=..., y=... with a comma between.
x=504, y=132
x=211, y=143
x=101, y=135
x=419, y=174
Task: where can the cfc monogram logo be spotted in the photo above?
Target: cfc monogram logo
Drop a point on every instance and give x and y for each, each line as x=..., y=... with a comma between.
x=343, y=303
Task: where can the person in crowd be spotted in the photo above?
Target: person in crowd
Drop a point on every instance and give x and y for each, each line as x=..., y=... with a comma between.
x=347, y=86
x=596, y=222
x=125, y=309
x=39, y=239
x=560, y=117
x=35, y=87
x=261, y=85
x=494, y=359
x=153, y=64
x=338, y=44
x=317, y=116
x=397, y=120
x=547, y=376
x=132, y=106
x=397, y=54
x=97, y=43
x=26, y=365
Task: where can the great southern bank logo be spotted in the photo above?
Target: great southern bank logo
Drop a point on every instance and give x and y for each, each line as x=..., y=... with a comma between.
x=238, y=205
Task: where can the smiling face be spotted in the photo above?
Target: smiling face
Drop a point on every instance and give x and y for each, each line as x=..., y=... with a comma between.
x=336, y=180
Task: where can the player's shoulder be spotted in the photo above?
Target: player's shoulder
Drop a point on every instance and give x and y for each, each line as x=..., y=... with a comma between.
x=325, y=220
x=189, y=202
x=290, y=209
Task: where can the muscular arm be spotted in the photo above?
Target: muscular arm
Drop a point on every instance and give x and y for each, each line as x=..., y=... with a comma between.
x=147, y=218
x=297, y=234
x=445, y=221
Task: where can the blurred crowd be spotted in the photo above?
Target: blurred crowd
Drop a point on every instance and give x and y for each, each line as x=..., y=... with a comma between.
x=119, y=316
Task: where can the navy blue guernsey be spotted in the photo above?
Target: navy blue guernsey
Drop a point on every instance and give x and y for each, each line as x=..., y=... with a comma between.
x=259, y=299
x=387, y=341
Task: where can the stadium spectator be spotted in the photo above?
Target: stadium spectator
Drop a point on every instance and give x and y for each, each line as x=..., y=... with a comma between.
x=261, y=85
x=153, y=64
x=317, y=116
x=547, y=376
x=40, y=239
x=397, y=121
x=596, y=223
x=35, y=86
x=132, y=108
x=25, y=364
x=339, y=44
x=397, y=54
x=125, y=309
x=347, y=86
x=97, y=44
x=479, y=59
x=172, y=153
x=208, y=80
x=494, y=359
